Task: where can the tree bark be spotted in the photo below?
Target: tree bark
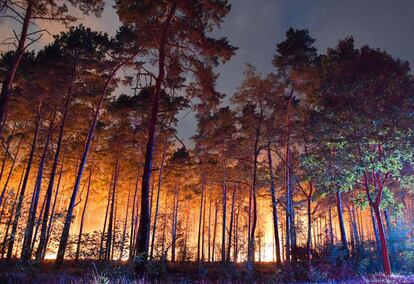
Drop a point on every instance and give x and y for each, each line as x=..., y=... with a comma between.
x=274, y=206
x=24, y=185
x=78, y=245
x=233, y=199
x=28, y=236
x=154, y=226
x=49, y=191
x=108, y=245
x=341, y=220
x=144, y=221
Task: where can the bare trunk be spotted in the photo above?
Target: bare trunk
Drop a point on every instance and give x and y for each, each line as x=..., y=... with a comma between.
x=108, y=245
x=101, y=250
x=28, y=236
x=341, y=220
x=24, y=185
x=49, y=191
x=214, y=232
x=274, y=206
x=52, y=213
x=223, y=230
x=125, y=228
x=233, y=199
x=83, y=214
x=384, y=248
x=154, y=226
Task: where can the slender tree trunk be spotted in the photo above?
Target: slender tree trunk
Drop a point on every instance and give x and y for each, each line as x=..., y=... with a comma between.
x=49, y=191
x=11, y=72
x=174, y=225
x=209, y=230
x=78, y=245
x=203, y=228
x=66, y=227
x=341, y=220
x=233, y=201
x=133, y=221
x=251, y=245
x=108, y=245
x=288, y=182
x=101, y=250
x=52, y=213
x=224, y=206
x=154, y=226
x=214, y=232
x=309, y=240
x=125, y=228
x=28, y=236
x=24, y=185
x=274, y=206
x=144, y=222
x=201, y=210
x=331, y=233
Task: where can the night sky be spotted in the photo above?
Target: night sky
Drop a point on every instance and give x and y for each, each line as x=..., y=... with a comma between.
x=256, y=26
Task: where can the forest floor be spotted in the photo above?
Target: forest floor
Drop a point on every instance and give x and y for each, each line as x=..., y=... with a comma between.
x=123, y=273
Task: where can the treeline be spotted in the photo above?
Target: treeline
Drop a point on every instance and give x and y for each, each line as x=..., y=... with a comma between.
x=321, y=147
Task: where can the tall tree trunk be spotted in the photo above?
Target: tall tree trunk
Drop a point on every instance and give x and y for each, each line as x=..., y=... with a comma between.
x=125, y=228
x=274, y=206
x=256, y=150
x=154, y=226
x=309, y=213
x=52, y=213
x=384, y=247
x=288, y=182
x=209, y=231
x=133, y=222
x=203, y=228
x=144, y=221
x=174, y=224
x=78, y=244
x=11, y=72
x=108, y=245
x=24, y=185
x=101, y=250
x=224, y=206
x=28, y=236
x=233, y=201
x=66, y=227
x=331, y=233
x=49, y=191
x=341, y=220
x=214, y=232
x=201, y=209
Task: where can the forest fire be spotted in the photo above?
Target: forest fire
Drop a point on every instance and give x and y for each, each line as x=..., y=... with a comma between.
x=300, y=170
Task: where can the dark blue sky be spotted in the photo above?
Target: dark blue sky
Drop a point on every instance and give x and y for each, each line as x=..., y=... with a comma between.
x=256, y=26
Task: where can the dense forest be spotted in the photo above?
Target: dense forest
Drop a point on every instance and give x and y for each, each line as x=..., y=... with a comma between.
x=303, y=174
